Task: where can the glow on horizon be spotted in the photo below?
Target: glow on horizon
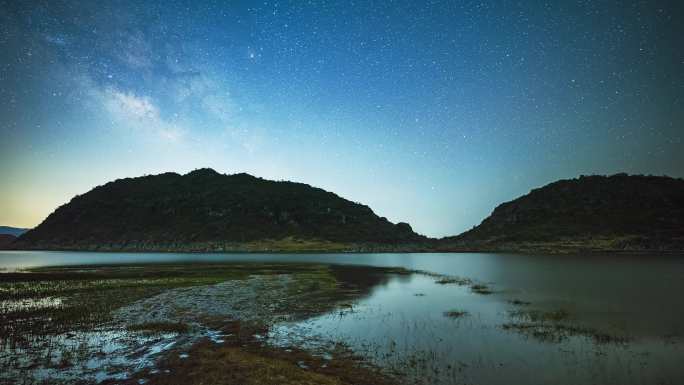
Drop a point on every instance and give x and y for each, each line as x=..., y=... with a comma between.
x=433, y=124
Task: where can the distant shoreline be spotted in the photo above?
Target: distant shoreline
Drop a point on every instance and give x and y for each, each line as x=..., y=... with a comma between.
x=528, y=251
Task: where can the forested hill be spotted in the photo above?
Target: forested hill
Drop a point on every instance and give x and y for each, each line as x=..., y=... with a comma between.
x=204, y=210
x=617, y=212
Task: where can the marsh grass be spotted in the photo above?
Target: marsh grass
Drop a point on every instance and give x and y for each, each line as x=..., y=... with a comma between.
x=558, y=333
x=246, y=361
x=555, y=326
x=47, y=313
x=88, y=294
x=453, y=281
x=481, y=289
x=519, y=302
x=456, y=313
x=476, y=288
x=540, y=316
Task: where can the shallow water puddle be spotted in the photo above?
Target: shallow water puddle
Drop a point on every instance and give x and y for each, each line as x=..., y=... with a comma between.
x=94, y=355
x=409, y=327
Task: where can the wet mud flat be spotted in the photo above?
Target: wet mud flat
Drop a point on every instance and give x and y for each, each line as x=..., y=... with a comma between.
x=176, y=323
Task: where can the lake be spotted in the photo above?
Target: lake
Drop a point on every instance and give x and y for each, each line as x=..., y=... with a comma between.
x=542, y=320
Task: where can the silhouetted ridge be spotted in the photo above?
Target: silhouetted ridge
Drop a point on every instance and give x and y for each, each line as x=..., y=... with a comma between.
x=610, y=212
x=170, y=211
x=207, y=172
x=15, y=231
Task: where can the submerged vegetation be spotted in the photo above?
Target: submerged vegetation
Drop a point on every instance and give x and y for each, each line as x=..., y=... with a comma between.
x=456, y=313
x=555, y=326
x=519, y=302
x=540, y=316
x=453, y=281
x=481, y=289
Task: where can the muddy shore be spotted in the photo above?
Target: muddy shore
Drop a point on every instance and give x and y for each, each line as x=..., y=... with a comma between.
x=140, y=324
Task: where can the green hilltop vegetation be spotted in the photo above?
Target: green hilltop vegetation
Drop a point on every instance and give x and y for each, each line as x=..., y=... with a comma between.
x=207, y=211
x=590, y=213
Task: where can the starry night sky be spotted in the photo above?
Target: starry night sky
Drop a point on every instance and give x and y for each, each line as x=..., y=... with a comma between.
x=431, y=113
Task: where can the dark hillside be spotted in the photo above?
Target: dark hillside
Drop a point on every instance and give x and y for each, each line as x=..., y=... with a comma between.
x=6, y=240
x=614, y=212
x=209, y=210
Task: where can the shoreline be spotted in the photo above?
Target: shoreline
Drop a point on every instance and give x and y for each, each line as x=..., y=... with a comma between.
x=156, y=321
x=530, y=251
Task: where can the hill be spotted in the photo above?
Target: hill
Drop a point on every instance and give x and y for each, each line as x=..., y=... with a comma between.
x=207, y=211
x=6, y=240
x=15, y=231
x=619, y=212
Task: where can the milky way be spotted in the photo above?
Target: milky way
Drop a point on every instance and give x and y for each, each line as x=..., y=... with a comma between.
x=431, y=113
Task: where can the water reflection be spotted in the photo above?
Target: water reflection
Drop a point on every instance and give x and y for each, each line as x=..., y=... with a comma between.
x=401, y=322
x=402, y=326
x=640, y=293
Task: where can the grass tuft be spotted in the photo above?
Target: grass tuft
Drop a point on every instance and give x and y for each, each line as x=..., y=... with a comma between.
x=456, y=313
x=481, y=289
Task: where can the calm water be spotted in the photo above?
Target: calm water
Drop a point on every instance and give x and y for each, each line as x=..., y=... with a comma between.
x=401, y=324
